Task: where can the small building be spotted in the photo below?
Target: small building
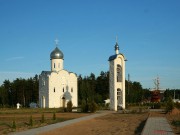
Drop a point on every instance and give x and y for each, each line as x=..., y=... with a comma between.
x=58, y=86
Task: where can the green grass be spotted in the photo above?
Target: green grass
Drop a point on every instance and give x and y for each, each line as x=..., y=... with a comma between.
x=27, y=110
x=176, y=123
x=22, y=118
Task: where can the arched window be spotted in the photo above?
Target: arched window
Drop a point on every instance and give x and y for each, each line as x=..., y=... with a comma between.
x=119, y=73
x=54, y=90
x=63, y=89
x=54, y=65
x=71, y=89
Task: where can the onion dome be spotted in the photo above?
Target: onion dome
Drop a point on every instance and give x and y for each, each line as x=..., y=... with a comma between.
x=56, y=54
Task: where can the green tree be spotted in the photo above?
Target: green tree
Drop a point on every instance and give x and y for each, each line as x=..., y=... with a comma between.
x=69, y=106
x=169, y=105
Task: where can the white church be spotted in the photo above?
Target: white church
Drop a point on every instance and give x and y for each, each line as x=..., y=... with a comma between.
x=58, y=86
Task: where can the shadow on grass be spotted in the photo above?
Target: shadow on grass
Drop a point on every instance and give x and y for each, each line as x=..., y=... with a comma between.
x=139, y=129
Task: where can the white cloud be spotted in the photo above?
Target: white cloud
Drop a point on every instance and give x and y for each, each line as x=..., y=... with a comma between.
x=15, y=58
x=13, y=75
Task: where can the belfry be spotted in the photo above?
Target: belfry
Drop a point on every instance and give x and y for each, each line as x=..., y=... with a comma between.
x=117, y=80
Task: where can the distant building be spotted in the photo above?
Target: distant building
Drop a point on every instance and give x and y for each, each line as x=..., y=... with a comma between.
x=58, y=86
x=117, y=80
x=157, y=95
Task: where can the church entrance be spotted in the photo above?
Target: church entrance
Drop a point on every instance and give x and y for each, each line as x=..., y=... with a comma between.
x=119, y=99
x=63, y=102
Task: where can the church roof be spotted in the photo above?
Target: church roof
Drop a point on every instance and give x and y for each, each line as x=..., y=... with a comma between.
x=57, y=54
x=115, y=56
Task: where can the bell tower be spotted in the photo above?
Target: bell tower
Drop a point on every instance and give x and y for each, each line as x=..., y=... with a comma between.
x=117, y=80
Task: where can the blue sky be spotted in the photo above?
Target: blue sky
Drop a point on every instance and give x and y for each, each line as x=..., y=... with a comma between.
x=148, y=35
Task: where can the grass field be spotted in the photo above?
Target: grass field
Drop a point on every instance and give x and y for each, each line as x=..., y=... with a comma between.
x=22, y=119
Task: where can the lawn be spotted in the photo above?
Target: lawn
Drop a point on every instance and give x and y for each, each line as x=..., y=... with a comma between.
x=22, y=119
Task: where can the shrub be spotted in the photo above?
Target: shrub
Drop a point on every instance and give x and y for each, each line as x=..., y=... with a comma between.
x=177, y=105
x=157, y=105
x=54, y=116
x=93, y=107
x=69, y=106
x=107, y=106
x=42, y=118
x=169, y=105
x=14, y=124
x=84, y=106
x=31, y=121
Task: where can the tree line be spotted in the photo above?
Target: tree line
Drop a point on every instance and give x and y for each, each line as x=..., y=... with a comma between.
x=23, y=91
x=90, y=89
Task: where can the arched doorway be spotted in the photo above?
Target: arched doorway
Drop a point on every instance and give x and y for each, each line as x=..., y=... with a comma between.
x=63, y=102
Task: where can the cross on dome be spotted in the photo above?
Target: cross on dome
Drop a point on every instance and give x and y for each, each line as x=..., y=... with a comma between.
x=116, y=46
x=116, y=39
x=56, y=42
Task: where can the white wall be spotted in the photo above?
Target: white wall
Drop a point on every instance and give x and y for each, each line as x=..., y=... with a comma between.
x=58, y=81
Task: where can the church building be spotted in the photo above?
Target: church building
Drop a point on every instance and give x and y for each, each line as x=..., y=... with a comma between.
x=58, y=86
x=117, y=80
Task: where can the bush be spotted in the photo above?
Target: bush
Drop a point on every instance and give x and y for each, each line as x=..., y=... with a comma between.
x=31, y=121
x=157, y=105
x=54, y=116
x=84, y=106
x=93, y=107
x=169, y=105
x=177, y=105
x=14, y=124
x=69, y=106
x=42, y=118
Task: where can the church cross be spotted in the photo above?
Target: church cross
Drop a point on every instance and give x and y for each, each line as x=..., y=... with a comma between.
x=116, y=39
x=56, y=42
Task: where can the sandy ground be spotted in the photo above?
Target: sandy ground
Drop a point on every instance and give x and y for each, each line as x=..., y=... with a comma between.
x=115, y=124
x=111, y=124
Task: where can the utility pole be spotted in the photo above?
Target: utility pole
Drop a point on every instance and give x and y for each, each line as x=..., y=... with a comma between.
x=128, y=82
x=128, y=87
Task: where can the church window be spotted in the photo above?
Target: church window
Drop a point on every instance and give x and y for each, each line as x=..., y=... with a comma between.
x=119, y=73
x=71, y=89
x=54, y=65
x=54, y=90
x=63, y=89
